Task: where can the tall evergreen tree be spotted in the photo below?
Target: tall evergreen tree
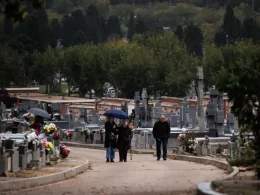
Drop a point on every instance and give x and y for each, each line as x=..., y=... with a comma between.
x=8, y=26
x=79, y=37
x=179, y=32
x=194, y=39
x=95, y=25
x=72, y=26
x=249, y=28
x=113, y=26
x=220, y=39
x=67, y=31
x=231, y=25
x=140, y=27
x=56, y=28
x=131, y=27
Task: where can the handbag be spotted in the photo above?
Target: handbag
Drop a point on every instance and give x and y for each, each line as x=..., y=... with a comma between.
x=112, y=137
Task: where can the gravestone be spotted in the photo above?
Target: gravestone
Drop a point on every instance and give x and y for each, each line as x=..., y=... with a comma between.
x=212, y=113
x=3, y=111
x=23, y=149
x=200, y=86
x=192, y=116
x=94, y=117
x=3, y=162
x=175, y=121
x=230, y=122
x=14, y=156
x=82, y=115
x=145, y=104
x=183, y=111
x=220, y=116
x=137, y=100
x=22, y=108
x=156, y=113
x=56, y=108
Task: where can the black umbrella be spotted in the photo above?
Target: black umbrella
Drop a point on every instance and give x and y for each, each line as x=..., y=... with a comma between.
x=39, y=112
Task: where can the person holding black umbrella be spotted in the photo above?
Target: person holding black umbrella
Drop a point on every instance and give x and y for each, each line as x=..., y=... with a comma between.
x=110, y=138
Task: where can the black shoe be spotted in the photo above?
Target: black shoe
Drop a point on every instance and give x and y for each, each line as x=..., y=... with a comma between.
x=164, y=158
x=111, y=160
x=125, y=160
x=107, y=160
x=120, y=161
x=158, y=159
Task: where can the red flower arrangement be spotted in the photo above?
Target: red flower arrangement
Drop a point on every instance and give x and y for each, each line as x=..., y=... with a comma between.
x=69, y=133
x=64, y=151
x=56, y=135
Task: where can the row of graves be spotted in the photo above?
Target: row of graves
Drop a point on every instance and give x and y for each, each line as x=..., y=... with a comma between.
x=34, y=147
x=82, y=128
x=193, y=130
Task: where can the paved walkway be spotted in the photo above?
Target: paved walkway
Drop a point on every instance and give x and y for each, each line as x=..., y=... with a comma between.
x=143, y=175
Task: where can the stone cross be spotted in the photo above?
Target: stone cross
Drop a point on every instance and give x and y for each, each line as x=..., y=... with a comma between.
x=220, y=116
x=200, y=86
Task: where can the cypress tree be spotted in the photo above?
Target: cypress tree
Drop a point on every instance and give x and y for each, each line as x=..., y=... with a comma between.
x=131, y=27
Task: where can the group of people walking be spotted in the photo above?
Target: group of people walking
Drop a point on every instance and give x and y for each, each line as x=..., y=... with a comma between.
x=120, y=138
x=117, y=137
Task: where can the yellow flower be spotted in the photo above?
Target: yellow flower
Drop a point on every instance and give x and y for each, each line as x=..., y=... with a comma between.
x=49, y=145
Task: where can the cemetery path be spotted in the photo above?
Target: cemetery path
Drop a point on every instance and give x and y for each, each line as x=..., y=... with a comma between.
x=143, y=175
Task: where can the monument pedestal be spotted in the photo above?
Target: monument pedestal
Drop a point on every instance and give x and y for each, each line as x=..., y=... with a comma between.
x=232, y=149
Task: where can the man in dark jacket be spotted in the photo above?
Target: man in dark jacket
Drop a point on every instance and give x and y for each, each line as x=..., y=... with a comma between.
x=161, y=133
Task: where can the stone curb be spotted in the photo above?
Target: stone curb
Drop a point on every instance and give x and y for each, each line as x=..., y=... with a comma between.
x=33, y=182
x=205, y=188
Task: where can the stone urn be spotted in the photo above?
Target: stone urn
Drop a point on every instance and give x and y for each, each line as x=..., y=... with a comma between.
x=241, y=142
x=182, y=148
x=233, y=138
x=206, y=142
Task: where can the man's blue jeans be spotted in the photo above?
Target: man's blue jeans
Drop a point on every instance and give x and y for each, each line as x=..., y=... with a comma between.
x=110, y=153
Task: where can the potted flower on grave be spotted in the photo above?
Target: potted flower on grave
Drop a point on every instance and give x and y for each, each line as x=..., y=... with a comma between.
x=49, y=149
x=64, y=151
x=206, y=141
x=182, y=138
x=69, y=135
x=50, y=128
x=187, y=142
x=56, y=134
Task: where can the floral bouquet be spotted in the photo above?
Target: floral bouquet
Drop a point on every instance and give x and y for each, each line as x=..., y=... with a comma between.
x=49, y=149
x=188, y=141
x=50, y=128
x=69, y=134
x=29, y=117
x=206, y=137
x=64, y=151
x=56, y=135
x=28, y=131
x=181, y=137
x=83, y=131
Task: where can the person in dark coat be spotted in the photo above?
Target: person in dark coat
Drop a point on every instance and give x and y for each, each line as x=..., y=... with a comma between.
x=161, y=133
x=124, y=141
x=110, y=138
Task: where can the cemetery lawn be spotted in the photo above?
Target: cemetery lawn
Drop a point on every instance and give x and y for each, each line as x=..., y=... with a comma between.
x=64, y=88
